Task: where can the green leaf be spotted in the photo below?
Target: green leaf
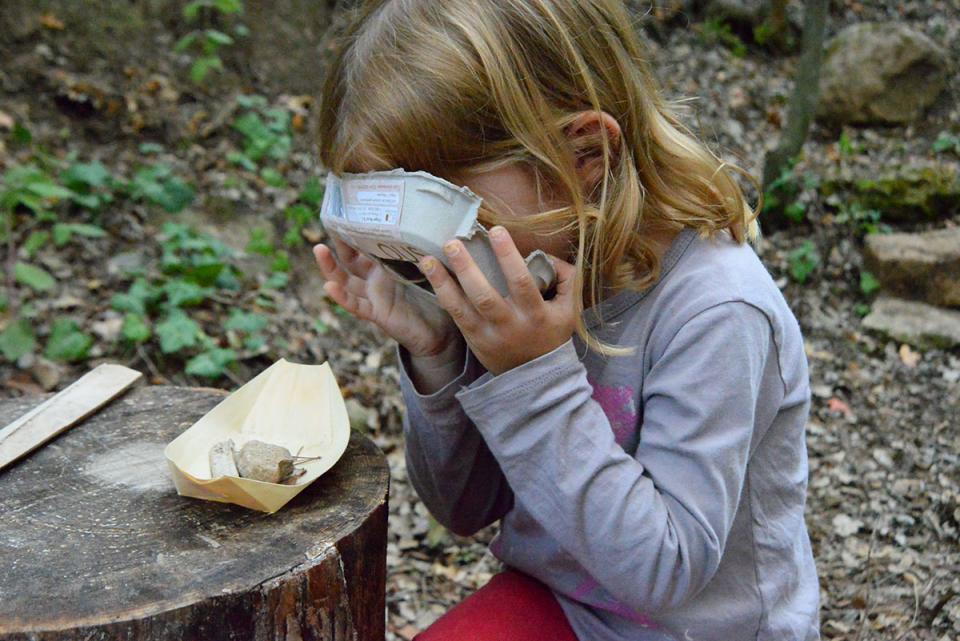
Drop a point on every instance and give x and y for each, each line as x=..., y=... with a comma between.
x=868, y=283
x=33, y=276
x=228, y=6
x=35, y=241
x=62, y=232
x=17, y=339
x=219, y=37
x=796, y=212
x=185, y=293
x=259, y=242
x=177, y=331
x=67, y=342
x=273, y=177
x=254, y=342
x=49, y=190
x=150, y=148
x=251, y=101
x=248, y=322
x=277, y=280
x=192, y=9
x=135, y=328
x=4, y=302
x=312, y=193
x=300, y=215
x=240, y=158
x=281, y=263
x=85, y=175
x=211, y=363
x=803, y=261
x=21, y=135
x=203, y=66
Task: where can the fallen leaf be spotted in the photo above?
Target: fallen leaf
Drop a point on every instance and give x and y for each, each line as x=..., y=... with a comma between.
x=909, y=357
x=6, y=120
x=836, y=405
x=52, y=22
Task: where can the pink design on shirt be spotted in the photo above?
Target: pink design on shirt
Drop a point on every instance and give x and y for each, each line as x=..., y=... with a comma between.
x=588, y=585
x=617, y=404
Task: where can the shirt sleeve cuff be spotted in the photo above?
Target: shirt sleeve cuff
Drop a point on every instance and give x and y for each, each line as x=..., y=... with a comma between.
x=472, y=370
x=520, y=381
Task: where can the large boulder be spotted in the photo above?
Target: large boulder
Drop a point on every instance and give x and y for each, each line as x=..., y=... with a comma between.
x=880, y=73
x=919, y=324
x=924, y=266
x=915, y=193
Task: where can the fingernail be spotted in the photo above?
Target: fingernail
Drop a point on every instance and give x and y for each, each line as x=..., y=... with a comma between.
x=498, y=233
x=451, y=248
x=428, y=265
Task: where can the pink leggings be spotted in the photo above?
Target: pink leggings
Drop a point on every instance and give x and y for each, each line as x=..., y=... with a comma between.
x=512, y=606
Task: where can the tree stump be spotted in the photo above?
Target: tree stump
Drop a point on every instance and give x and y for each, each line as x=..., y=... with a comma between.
x=95, y=543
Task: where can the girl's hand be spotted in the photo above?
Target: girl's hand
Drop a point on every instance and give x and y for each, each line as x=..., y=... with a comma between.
x=365, y=289
x=503, y=332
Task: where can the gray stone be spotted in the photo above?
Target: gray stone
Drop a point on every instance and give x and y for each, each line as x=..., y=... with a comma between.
x=880, y=73
x=918, y=324
x=923, y=266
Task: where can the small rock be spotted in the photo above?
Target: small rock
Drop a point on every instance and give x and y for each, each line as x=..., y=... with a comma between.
x=846, y=526
x=915, y=193
x=109, y=328
x=362, y=419
x=923, y=266
x=46, y=372
x=119, y=265
x=921, y=325
x=880, y=73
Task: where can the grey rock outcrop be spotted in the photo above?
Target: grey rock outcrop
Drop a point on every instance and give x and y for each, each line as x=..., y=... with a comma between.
x=916, y=323
x=922, y=266
x=884, y=73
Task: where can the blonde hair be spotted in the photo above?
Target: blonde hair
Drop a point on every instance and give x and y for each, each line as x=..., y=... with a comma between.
x=450, y=86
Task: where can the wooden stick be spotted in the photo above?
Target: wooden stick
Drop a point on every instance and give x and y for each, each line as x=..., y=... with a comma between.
x=66, y=408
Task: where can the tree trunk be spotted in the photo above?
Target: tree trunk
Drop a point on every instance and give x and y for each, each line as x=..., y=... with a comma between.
x=95, y=543
x=806, y=93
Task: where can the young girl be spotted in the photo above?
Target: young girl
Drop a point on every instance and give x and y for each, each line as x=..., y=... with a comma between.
x=640, y=435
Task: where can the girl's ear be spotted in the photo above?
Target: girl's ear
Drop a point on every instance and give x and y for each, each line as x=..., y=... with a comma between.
x=590, y=125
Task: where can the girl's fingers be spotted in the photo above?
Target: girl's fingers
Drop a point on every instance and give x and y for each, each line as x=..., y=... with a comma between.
x=449, y=295
x=356, y=305
x=333, y=272
x=353, y=260
x=480, y=293
x=523, y=289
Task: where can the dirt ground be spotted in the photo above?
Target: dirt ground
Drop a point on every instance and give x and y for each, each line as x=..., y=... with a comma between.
x=884, y=433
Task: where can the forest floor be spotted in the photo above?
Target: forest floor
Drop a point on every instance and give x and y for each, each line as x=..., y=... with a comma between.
x=884, y=435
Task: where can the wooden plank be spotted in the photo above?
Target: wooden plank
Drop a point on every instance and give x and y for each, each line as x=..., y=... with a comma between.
x=65, y=409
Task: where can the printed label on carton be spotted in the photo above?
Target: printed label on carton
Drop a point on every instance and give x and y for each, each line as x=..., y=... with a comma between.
x=373, y=202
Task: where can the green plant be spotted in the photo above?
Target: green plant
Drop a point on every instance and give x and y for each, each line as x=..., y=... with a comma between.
x=208, y=42
x=783, y=193
x=803, y=261
x=303, y=213
x=863, y=220
x=267, y=135
x=947, y=143
x=715, y=30
x=845, y=145
x=868, y=283
x=158, y=185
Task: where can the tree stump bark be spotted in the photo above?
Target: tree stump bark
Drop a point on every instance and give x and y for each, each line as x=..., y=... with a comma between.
x=95, y=543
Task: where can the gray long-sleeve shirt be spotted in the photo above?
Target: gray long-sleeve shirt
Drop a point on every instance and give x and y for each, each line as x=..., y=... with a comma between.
x=659, y=495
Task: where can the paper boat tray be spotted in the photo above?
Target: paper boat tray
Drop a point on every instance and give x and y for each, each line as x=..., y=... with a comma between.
x=297, y=406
